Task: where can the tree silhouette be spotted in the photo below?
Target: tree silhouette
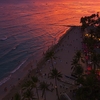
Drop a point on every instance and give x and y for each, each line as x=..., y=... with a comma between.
x=35, y=81
x=50, y=55
x=17, y=96
x=54, y=74
x=28, y=95
x=44, y=87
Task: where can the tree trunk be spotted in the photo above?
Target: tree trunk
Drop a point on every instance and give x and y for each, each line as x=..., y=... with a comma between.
x=52, y=63
x=57, y=89
x=45, y=95
x=43, y=92
x=37, y=93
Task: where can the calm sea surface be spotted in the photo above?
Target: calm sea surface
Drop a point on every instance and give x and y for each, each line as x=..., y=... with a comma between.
x=28, y=28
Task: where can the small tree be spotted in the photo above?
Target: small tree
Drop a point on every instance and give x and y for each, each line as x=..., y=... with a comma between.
x=17, y=96
x=54, y=74
x=28, y=85
x=50, y=55
x=44, y=87
x=35, y=80
x=28, y=95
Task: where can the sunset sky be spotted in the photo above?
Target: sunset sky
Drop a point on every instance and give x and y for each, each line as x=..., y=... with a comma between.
x=11, y=1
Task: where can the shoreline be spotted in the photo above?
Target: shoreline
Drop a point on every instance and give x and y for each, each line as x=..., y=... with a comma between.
x=41, y=61
x=25, y=62
x=53, y=47
x=17, y=77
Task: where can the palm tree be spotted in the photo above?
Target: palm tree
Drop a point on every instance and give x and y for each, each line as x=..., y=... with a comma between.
x=50, y=55
x=28, y=85
x=44, y=87
x=28, y=95
x=78, y=56
x=78, y=70
x=54, y=74
x=97, y=14
x=83, y=21
x=74, y=62
x=95, y=58
x=35, y=80
x=17, y=96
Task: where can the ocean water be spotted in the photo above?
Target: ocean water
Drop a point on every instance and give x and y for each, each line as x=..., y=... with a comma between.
x=28, y=28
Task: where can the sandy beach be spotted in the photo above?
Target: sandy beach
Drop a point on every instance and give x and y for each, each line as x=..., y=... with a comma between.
x=64, y=50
